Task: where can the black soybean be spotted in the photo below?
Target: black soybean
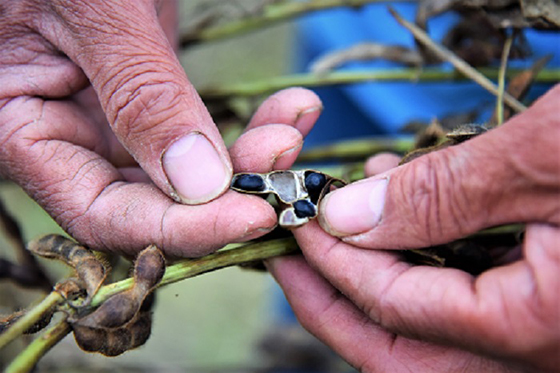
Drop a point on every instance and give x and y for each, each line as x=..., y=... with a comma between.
x=304, y=209
x=314, y=183
x=250, y=183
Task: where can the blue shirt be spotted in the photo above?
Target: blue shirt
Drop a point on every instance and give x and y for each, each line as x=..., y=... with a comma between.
x=381, y=108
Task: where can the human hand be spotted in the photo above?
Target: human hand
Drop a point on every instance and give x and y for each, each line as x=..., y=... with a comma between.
x=382, y=314
x=61, y=141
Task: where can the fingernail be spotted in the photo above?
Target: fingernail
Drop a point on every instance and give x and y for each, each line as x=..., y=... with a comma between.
x=195, y=169
x=354, y=209
x=255, y=233
x=287, y=158
x=307, y=118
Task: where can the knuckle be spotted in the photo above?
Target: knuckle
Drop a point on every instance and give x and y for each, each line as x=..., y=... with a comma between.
x=319, y=321
x=89, y=220
x=142, y=102
x=435, y=193
x=70, y=196
x=419, y=187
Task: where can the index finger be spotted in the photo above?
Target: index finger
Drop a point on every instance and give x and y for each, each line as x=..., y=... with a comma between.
x=329, y=315
x=505, y=312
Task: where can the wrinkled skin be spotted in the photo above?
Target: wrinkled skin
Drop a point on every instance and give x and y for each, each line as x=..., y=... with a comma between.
x=384, y=315
x=92, y=97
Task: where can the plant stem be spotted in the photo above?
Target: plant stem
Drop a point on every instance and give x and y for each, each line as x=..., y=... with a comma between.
x=192, y=267
x=462, y=66
x=181, y=270
x=30, y=318
x=360, y=148
x=502, y=81
x=269, y=15
x=25, y=361
x=259, y=87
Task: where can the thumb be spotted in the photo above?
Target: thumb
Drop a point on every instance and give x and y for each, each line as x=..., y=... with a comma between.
x=508, y=175
x=149, y=102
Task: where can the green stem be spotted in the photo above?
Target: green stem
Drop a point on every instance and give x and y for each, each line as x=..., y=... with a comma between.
x=30, y=318
x=502, y=81
x=192, y=267
x=269, y=15
x=259, y=87
x=181, y=270
x=357, y=149
x=25, y=361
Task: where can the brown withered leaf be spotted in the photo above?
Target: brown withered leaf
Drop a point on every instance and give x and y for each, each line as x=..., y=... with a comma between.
x=541, y=14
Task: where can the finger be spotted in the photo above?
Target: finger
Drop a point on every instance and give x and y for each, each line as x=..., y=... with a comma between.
x=505, y=313
x=94, y=202
x=30, y=65
x=262, y=149
x=327, y=314
x=128, y=216
x=89, y=105
x=381, y=162
x=134, y=175
x=296, y=107
x=496, y=178
x=149, y=102
x=274, y=137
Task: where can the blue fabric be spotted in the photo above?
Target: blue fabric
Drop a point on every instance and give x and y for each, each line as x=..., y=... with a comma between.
x=383, y=108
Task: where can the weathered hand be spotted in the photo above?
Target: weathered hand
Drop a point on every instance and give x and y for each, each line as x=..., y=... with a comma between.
x=383, y=314
x=61, y=138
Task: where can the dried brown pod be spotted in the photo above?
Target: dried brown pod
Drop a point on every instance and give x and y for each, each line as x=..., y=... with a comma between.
x=114, y=341
x=122, y=307
x=71, y=289
x=149, y=269
x=417, y=153
x=460, y=134
x=430, y=136
x=540, y=14
x=9, y=320
x=465, y=254
x=88, y=267
x=123, y=322
x=480, y=42
x=465, y=132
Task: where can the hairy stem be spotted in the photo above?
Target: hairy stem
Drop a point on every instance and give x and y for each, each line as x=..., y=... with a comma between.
x=193, y=267
x=310, y=80
x=29, y=318
x=176, y=272
x=25, y=361
x=356, y=149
